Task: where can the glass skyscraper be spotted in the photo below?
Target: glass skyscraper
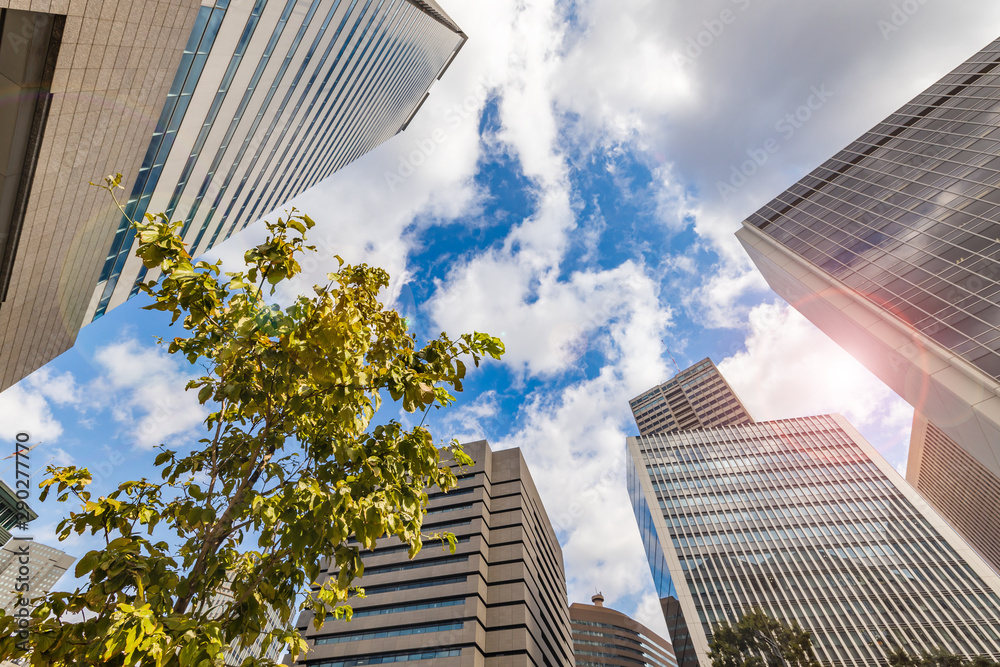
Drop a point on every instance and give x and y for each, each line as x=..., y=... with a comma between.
x=891, y=247
x=271, y=97
x=802, y=518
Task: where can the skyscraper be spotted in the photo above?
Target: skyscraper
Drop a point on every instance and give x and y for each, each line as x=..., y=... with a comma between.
x=500, y=599
x=604, y=637
x=802, y=518
x=697, y=397
x=271, y=97
x=26, y=561
x=215, y=112
x=82, y=82
x=891, y=247
x=10, y=515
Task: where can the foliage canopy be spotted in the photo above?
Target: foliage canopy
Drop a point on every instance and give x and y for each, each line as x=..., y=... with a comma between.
x=758, y=640
x=288, y=470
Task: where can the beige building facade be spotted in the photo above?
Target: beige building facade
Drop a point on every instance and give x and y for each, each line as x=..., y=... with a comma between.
x=498, y=601
x=90, y=77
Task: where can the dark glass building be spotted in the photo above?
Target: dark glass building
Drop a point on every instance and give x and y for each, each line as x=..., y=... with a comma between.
x=892, y=247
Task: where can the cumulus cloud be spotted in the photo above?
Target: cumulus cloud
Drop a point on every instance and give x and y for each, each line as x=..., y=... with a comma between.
x=143, y=388
x=23, y=409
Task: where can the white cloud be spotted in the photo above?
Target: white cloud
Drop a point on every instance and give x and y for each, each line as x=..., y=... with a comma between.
x=143, y=387
x=27, y=410
x=791, y=369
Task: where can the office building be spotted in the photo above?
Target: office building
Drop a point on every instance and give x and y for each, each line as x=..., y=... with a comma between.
x=697, y=397
x=10, y=516
x=235, y=656
x=802, y=518
x=83, y=82
x=45, y=565
x=271, y=97
x=891, y=246
x=957, y=486
x=604, y=637
x=499, y=600
x=214, y=111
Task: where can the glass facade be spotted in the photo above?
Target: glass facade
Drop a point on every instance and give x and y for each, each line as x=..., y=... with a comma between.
x=801, y=517
x=907, y=215
x=303, y=88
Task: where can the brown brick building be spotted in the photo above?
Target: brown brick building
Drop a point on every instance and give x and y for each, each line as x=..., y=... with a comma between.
x=499, y=600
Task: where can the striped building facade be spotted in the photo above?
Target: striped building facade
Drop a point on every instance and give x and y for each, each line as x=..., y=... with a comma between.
x=604, y=637
x=499, y=600
x=271, y=97
x=802, y=518
x=697, y=397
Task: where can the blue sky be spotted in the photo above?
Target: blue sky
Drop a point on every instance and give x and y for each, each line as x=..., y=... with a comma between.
x=572, y=185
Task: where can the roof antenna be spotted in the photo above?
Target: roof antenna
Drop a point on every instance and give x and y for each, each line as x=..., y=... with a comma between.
x=672, y=358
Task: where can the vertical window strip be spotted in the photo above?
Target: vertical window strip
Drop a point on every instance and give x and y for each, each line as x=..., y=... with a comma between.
x=206, y=29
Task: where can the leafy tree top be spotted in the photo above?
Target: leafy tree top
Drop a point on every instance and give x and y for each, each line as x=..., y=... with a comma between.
x=758, y=640
x=289, y=466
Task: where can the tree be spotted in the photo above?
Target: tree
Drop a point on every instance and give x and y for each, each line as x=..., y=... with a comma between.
x=288, y=470
x=758, y=640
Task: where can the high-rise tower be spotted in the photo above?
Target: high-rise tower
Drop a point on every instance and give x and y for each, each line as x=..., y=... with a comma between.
x=214, y=111
x=499, y=600
x=81, y=82
x=697, y=397
x=891, y=247
x=271, y=97
x=802, y=518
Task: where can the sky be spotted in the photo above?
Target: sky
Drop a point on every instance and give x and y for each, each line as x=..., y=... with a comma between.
x=573, y=185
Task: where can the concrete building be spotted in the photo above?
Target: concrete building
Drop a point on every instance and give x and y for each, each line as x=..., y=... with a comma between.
x=45, y=565
x=214, y=111
x=890, y=247
x=499, y=600
x=88, y=79
x=697, y=397
x=957, y=485
x=271, y=97
x=802, y=518
x=604, y=637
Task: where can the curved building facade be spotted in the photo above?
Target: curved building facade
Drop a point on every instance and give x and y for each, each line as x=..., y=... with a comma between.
x=604, y=637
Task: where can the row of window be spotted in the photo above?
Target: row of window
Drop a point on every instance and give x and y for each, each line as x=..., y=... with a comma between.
x=412, y=606
x=850, y=488
x=391, y=632
x=772, y=475
x=387, y=659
